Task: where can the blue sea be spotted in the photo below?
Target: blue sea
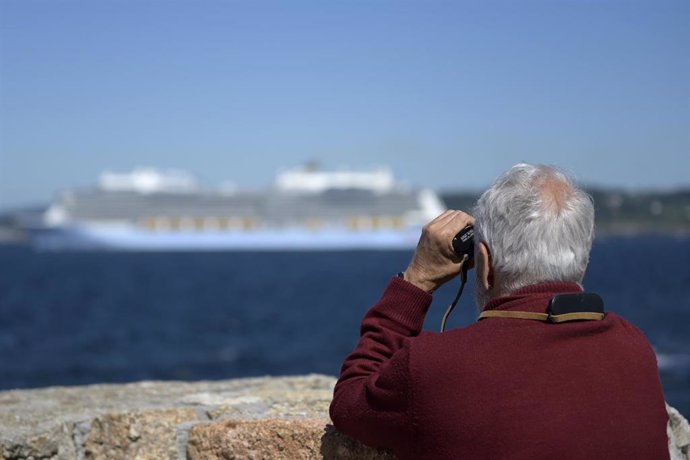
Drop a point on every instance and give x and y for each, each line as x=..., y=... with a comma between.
x=69, y=318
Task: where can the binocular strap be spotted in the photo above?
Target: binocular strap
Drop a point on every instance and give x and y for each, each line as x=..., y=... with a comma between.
x=545, y=317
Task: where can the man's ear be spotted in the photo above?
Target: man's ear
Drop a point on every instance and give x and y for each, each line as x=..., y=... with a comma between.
x=485, y=271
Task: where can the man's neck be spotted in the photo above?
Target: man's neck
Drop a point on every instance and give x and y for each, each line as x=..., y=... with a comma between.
x=533, y=298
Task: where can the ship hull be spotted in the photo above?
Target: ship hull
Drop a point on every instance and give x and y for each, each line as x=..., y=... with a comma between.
x=85, y=238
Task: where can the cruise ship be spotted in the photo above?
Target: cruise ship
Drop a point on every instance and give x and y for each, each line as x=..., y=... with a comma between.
x=306, y=209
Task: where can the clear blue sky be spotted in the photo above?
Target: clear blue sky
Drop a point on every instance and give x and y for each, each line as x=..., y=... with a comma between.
x=447, y=93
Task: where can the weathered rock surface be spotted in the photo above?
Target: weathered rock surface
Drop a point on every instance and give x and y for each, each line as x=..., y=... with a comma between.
x=272, y=417
x=289, y=439
x=259, y=418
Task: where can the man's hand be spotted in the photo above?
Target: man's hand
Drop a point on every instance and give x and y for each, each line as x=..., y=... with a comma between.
x=434, y=261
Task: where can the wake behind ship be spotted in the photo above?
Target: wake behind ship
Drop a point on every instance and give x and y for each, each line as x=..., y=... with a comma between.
x=306, y=209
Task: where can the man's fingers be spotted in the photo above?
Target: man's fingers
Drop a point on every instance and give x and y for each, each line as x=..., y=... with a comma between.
x=441, y=217
x=446, y=226
x=445, y=218
x=455, y=222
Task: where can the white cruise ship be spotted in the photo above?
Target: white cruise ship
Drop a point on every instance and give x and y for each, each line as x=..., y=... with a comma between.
x=306, y=209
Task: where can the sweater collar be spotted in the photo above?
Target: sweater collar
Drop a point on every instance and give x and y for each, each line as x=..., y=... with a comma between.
x=534, y=298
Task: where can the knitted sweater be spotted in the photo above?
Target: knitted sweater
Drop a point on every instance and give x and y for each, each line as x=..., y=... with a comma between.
x=501, y=388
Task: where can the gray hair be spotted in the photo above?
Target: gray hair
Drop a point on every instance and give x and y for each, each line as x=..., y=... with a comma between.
x=537, y=225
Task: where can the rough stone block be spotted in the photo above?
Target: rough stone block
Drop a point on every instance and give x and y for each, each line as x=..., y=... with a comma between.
x=275, y=439
x=136, y=435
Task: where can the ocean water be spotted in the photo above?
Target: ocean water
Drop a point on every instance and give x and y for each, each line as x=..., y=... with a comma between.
x=79, y=318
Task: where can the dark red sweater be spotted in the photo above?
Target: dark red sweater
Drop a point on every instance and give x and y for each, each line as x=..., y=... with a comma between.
x=501, y=388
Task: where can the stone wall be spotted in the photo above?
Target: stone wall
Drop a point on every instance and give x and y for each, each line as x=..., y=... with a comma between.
x=271, y=418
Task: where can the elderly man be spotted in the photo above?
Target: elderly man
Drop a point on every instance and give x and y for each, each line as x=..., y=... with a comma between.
x=514, y=384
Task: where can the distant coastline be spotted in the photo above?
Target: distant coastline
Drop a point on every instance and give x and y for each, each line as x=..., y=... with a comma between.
x=620, y=212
